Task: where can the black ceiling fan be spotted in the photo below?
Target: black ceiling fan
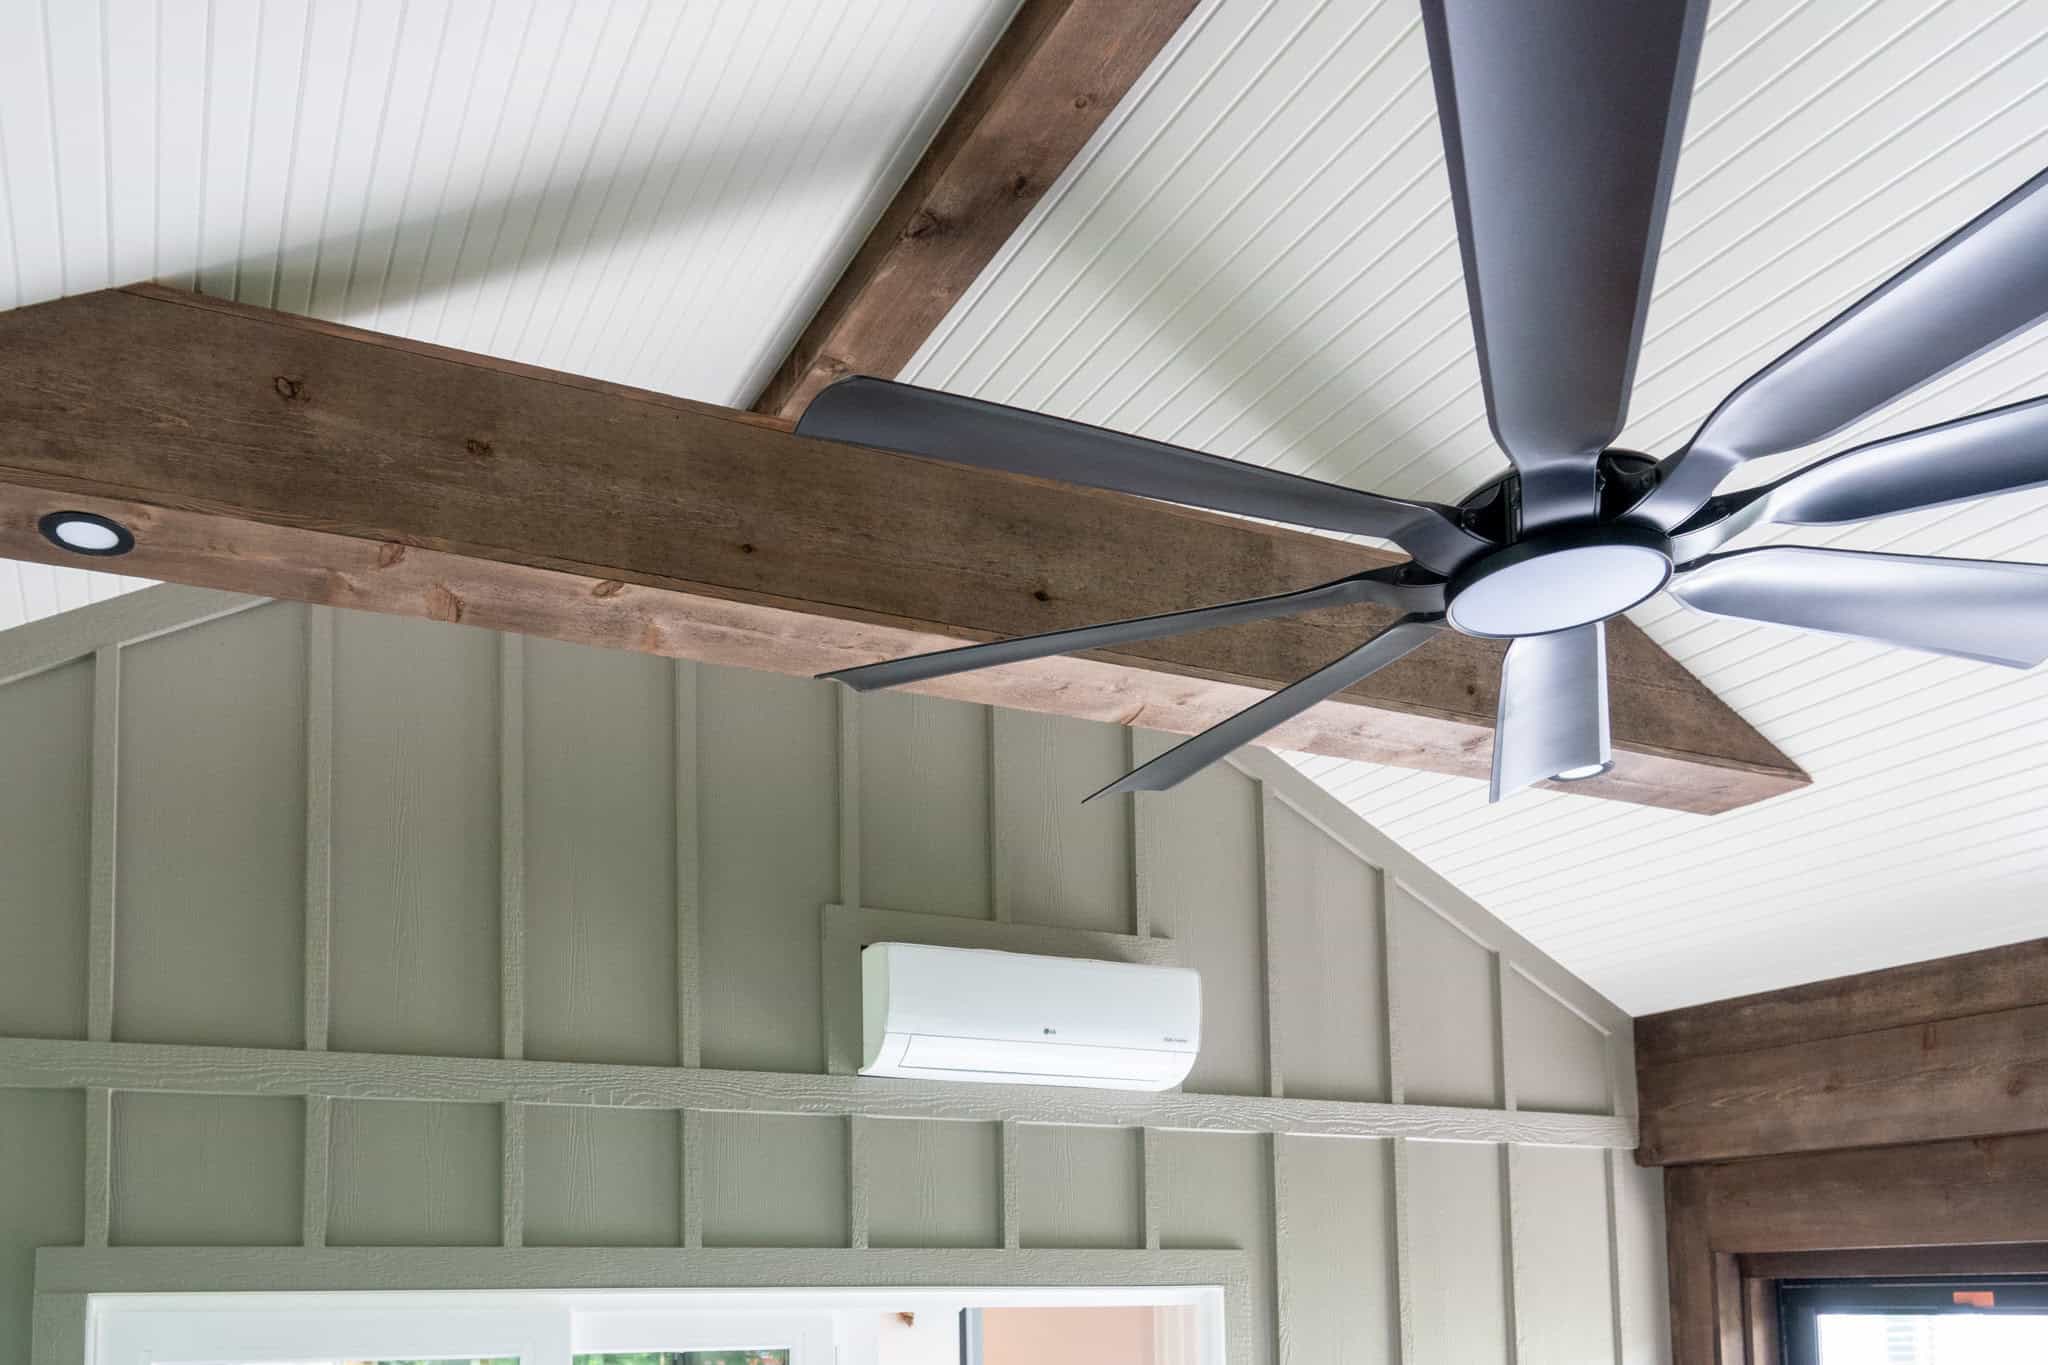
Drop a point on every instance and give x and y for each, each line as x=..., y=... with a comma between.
x=1561, y=123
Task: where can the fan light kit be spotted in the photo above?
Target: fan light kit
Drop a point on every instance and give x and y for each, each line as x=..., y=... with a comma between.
x=1561, y=125
x=86, y=533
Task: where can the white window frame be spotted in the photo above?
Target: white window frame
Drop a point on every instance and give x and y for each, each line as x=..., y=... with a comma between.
x=820, y=1326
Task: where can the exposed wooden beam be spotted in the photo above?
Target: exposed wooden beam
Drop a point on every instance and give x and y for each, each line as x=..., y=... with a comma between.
x=1050, y=80
x=287, y=457
x=1954, y=1048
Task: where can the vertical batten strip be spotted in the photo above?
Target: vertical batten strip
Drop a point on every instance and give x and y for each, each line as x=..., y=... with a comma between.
x=512, y=845
x=319, y=824
x=849, y=797
x=998, y=883
x=1013, y=1231
x=99, y=1165
x=1148, y=1181
x=1511, y=1273
x=1269, y=888
x=1611, y=1174
x=692, y=1123
x=1504, y=1076
x=106, y=795
x=857, y=1138
x=1404, y=1272
x=319, y=1130
x=512, y=1196
x=1390, y=986
x=1141, y=840
x=689, y=872
x=1283, y=1263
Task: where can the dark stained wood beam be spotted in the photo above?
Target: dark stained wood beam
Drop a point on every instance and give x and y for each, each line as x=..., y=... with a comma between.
x=1954, y=1048
x=269, y=454
x=1051, y=79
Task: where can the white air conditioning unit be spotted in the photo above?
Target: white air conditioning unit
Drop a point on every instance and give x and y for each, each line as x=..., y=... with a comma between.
x=969, y=1014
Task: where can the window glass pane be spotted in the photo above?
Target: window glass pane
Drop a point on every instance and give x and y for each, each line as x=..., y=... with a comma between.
x=1933, y=1338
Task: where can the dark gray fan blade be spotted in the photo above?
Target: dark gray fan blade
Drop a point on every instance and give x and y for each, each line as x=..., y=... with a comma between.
x=2001, y=451
x=1552, y=720
x=1979, y=287
x=1981, y=609
x=1189, y=757
x=1561, y=126
x=945, y=426
x=1381, y=585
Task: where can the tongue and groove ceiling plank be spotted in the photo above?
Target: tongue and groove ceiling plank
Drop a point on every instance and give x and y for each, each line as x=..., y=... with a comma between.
x=289, y=457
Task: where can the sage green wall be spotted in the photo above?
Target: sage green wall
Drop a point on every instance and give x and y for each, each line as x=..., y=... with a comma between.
x=421, y=788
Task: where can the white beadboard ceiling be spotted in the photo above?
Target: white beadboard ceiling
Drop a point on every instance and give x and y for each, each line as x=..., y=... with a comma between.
x=1258, y=258
x=655, y=192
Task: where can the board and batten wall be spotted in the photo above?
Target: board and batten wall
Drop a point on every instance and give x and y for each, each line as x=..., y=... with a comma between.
x=288, y=834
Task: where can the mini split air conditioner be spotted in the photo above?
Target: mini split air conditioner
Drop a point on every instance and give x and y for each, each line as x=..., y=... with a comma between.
x=969, y=1014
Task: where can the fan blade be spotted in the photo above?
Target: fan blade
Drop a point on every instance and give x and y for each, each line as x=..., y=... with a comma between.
x=946, y=426
x=1380, y=585
x=1996, y=613
x=1985, y=283
x=2001, y=451
x=1553, y=709
x=1561, y=126
x=1189, y=757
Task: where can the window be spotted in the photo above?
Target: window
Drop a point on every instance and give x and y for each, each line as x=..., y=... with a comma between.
x=607, y=1327
x=1997, y=1320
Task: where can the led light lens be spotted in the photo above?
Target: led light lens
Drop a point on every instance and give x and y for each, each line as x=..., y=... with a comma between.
x=1580, y=774
x=1558, y=590
x=86, y=533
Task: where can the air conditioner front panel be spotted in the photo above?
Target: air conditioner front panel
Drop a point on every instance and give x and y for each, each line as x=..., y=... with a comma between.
x=981, y=1016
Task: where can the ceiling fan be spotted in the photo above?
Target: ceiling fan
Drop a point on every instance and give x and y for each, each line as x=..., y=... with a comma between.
x=1561, y=124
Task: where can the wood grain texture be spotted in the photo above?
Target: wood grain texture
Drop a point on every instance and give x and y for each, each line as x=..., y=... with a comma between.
x=1335, y=1249
x=42, y=1184
x=1080, y=1187
x=769, y=835
x=924, y=805
x=1450, y=1042
x=47, y=897
x=414, y=1174
x=602, y=1177
x=1043, y=90
x=1557, y=1060
x=207, y=1170
x=211, y=842
x=1215, y=1192
x=2003, y=978
x=28, y=1062
x=1324, y=924
x=1058, y=860
x=1206, y=888
x=932, y=1184
x=1564, y=1312
x=1456, y=1236
x=414, y=924
x=483, y=511
x=600, y=856
x=2013, y=1258
x=775, y=1180
x=1974, y=1191
x=1971, y=1076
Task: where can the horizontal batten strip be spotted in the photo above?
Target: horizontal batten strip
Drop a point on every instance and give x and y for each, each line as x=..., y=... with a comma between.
x=68, y=1064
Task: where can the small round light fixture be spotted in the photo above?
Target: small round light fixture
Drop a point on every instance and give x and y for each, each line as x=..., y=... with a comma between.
x=1582, y=773
x=86, y=533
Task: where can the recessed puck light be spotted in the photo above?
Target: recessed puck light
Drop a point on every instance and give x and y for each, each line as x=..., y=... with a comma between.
x=86, y=533
x=1581, y=774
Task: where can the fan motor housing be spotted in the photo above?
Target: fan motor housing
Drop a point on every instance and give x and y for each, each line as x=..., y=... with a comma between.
x=1558, y=579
